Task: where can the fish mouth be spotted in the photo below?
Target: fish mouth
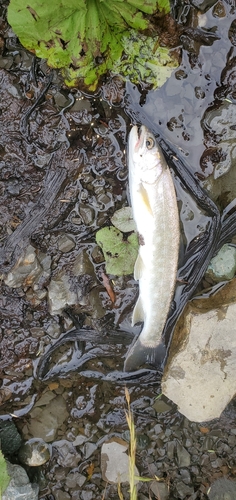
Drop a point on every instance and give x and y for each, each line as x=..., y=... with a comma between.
x=139, y=137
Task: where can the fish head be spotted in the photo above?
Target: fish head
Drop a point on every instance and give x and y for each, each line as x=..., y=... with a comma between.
x=146, y=161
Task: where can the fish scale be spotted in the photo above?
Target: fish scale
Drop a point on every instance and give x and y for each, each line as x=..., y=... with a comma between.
x=155, y=213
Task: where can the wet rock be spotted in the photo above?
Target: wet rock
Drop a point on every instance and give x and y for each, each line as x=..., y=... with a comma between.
x=61, y=495
x=67, y=455
x=85, y=404
x=65, y=243
x=29, y=268
x=143, y=442
x=161, y=406
x=61, y=100
x=19, y=487
x=185, y=475
x=34, y=452
x=158, y=428
x=223, y=265
x=201, y=370
x=183, y=490
x=97, y=255
x=183, y=456
x=75, y=479
x=160, y=490
x=73, y=286
x=86, y=495
x=79, y=440
x=94, y=304
x=87, y=214
x=46, y=420
x=59, y=295
x=115, y=461
x=9, y=437
x=222, y=489
x=89, y=449
x=219, y=10
x=170, y=449
x=53, y=330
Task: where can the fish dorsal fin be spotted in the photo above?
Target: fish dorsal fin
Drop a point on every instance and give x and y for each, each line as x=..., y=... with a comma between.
x=138, y=268
x=138, y=314
x=145, y=199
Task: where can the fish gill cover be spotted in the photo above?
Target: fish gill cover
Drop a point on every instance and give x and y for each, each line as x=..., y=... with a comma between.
x=86, y=37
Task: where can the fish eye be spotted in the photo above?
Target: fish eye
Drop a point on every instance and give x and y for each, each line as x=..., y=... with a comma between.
x=149, y=143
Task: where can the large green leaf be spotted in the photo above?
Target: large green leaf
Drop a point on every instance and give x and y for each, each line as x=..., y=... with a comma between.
x=120, y=254
x=4, y=478
x=84, y=37
x=123, y=220
x=145, y=62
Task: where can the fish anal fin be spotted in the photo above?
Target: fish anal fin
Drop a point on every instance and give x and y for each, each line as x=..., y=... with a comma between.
x=138, y=314
x=145, y=198
x=138, y=267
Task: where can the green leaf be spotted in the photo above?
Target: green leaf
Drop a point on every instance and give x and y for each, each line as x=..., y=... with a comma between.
x=120, y=255
x=144, y=61
x=123, y=220
x=83, y=37
x=4, y=478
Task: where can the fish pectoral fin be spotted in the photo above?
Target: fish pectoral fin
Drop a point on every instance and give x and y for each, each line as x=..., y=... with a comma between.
x=145, y=198
x=138, y=313
x=138, y=268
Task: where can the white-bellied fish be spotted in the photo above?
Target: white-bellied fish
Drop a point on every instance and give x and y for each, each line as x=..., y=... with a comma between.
x=156, y=216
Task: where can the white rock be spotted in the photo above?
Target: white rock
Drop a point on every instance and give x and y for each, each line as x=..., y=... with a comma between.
x=200, y=376
x=115, y=462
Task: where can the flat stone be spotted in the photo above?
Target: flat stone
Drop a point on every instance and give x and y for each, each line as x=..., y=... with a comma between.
x=222, y=489
x=89, y=449
x=72, y=285
x=161, y=406
x=61, y=495
x=25, y=271
x=200, y=376
x=160, y=490
x=183, y=456
x=184, y=490
x=86, y=495
x=115, y=461
x=46, y=420
x=67, y=455
x=223, y=266
x=19, y=487
x=65, y=243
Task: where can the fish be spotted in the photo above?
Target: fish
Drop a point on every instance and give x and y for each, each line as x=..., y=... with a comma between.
x=155, y=212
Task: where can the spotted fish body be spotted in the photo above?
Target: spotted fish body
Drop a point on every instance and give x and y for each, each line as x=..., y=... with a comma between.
x=155, y=213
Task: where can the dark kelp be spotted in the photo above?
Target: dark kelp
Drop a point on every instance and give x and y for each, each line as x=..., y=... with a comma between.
x=107, y=342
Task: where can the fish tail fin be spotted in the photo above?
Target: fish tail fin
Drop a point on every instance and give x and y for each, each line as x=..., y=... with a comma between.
x=139, y=355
